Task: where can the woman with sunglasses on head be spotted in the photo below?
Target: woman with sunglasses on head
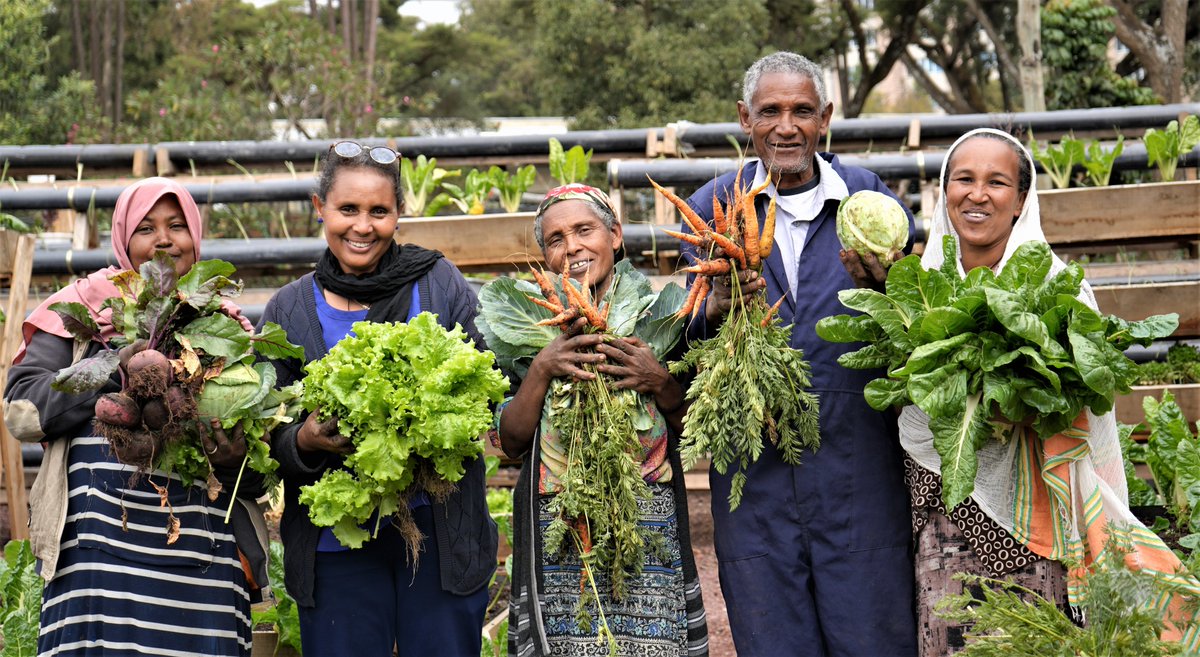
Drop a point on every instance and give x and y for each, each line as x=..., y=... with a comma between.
x=363, y=602
x=115, y=584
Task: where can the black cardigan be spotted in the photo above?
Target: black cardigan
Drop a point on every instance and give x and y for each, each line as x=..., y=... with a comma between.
x=465, y=534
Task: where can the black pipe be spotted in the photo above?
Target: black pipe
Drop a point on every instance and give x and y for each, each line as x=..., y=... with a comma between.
x=918, y=164
x=80, y=198
x=881, y=129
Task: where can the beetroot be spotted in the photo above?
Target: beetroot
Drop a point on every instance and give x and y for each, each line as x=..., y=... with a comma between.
x=154, y=414
x=181, y=402
x=118, y=409
x=137, y=448
x=149, y=374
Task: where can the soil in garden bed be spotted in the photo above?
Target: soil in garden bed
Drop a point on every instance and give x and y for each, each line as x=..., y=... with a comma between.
x=497, y=595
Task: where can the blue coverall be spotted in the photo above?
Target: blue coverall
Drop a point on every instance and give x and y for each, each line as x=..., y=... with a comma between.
x=817, y=559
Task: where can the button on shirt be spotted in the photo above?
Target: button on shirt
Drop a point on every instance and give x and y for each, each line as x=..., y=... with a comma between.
x=795, y=210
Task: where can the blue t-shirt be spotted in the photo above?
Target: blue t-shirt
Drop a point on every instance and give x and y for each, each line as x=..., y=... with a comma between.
x=335, y=325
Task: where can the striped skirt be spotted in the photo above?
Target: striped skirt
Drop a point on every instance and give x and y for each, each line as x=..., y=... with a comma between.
x=653, y=620
x=120, y=589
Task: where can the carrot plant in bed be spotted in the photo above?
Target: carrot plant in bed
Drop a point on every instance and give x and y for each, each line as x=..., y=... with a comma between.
x=414, y=399
x=749, y=382
x=199, y=363
x=596, y=512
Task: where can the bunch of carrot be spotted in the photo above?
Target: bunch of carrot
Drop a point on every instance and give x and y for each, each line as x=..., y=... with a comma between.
x=733, y=243
x=749, y=383
x=579, y=304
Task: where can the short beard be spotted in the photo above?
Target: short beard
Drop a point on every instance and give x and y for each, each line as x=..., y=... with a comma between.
x=800, y=167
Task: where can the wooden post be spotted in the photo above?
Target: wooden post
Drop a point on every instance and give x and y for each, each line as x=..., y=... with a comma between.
x=12, y=470
x=162, y=162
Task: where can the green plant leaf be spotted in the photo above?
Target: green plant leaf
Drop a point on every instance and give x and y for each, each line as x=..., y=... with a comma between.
x=957, y=438
x=218, y=335
x=77, y=320
x=88, y=374
x=272, y=343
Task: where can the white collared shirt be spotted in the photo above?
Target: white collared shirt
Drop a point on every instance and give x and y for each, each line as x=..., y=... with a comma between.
x=794, y=213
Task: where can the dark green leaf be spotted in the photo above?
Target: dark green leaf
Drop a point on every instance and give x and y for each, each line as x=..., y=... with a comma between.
x=1011, y=311
x=957, y=439
x=661, y=329
x=946, y=321
x=915, y=288
x=882, y=394
x=1154, y=327
x=940, y=393
x=77, y=320
x=1092, y=364
x=849, y=328
x=88, y=374
x=220, y=336
x=630, y=296
x=201, y=272
x=1026, y=270
x=271, y=342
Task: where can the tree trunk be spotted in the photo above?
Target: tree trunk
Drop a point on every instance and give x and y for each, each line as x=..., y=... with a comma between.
x=312, y=8
x=77, y=34
x=370, y=20
x=1029, y=32
x=871, y=76
x=944, y=100
x=1161, y=53
x=348, y=30
x=331, y=17
x=1007, y=65
x=94, y=43
x=105, y=83
x=119, y=68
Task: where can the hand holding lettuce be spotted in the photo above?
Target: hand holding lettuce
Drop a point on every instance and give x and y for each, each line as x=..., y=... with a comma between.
x=1018, y=343
x=414, y=399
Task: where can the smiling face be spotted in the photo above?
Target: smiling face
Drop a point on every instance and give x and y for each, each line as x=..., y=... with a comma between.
x=360, y=213
x=164, y=228
x=578, y=244
x=785, y=122
x=982, y=198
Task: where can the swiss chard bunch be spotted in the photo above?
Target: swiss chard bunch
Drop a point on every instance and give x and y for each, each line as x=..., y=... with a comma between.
x=749, y=382
x=1172, y=452
x=1165, y=147
x=414, y=399
x=472, y=196
x=596, y=507
x=1060, y=161
x=20, y=599
x=975, y=352
x=512, y=187
x=198, y=364
x=421, y=178
x=568, y=166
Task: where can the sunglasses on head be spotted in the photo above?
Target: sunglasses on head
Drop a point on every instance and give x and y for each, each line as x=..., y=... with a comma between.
x=351, y=149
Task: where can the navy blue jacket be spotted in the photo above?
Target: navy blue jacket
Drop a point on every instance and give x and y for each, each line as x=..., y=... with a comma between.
x=465, y=533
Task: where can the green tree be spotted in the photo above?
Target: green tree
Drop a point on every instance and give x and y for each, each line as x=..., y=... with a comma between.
x=1075, y=37
x=36, y=108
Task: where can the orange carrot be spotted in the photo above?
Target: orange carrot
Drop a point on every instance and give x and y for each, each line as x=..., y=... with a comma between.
x=771, y=311
x=719, y=221
x=544, y=283
x=750, y=216
x=562, y=319
x=693, y=298
x=690, y=217
x=585, y=547
x=548, y=305
x=585, y=308
x=730, y=248
x=698, y=240
x=709, y=267
x=768, y=232
x=705, y=285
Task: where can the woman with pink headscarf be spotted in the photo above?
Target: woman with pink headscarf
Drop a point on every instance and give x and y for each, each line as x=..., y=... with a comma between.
x=113, y=583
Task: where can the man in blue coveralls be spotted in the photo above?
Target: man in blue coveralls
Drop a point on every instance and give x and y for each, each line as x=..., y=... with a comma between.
x=816, y=560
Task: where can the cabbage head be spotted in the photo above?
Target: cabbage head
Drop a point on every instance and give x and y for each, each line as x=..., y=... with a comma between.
x=873, y=222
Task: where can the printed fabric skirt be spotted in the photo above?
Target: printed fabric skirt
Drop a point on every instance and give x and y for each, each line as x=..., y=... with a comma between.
x=653, y=618
x=120, y=589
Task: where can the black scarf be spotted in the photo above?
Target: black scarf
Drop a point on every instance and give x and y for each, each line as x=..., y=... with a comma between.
x=388, y=289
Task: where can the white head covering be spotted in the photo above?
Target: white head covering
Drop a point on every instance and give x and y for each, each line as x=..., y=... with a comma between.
x=994, y=480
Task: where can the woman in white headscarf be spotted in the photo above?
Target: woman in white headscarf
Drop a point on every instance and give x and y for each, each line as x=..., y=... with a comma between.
x=989, y=205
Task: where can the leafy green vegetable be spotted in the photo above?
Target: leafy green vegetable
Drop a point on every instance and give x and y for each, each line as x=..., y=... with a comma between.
x=569, y=166
x=1165, y=147
x=1182, y=365
x=414, y=399
x=977, y=353
x=284, y=615
x=212, y=358
x=512, y=187
x=1012, y=621
x=421, y=178
x=470, y=198
x=872, y=222
x=1172, y=452
x=1059, y=161
x=20, y=600
x=1099, y=162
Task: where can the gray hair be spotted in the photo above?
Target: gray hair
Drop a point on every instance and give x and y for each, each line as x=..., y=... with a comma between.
x=784, y=62
x=602, y=213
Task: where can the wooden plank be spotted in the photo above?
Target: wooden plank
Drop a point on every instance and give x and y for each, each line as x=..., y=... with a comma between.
x=1122, y=213
x=473, y=240
x=13, y=471
x=1125, y=273
x=1129, y=407
x=1134, y=302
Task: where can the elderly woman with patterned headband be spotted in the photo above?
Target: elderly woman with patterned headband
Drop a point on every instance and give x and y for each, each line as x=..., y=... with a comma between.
x=663, y=613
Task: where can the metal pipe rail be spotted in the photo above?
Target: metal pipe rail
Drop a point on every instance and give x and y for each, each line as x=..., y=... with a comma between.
x=621, y=173
x=919, y=164
x=604, y=143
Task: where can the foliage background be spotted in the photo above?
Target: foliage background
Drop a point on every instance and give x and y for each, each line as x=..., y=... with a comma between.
x=91, y=71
